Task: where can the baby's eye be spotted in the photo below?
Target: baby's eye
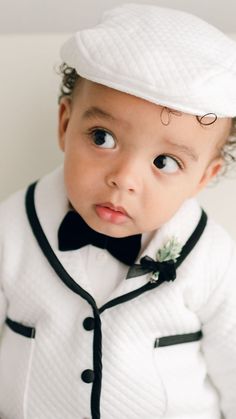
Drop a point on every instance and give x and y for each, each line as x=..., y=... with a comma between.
x=167, y=164
x=103, y=139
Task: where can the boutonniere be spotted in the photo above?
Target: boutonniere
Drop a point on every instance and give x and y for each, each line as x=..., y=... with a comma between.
x=164, y=265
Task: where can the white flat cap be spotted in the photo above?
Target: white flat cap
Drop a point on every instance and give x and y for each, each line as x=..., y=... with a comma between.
x=165, y=56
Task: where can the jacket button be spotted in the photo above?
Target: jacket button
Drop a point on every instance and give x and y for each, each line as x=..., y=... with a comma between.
x=87, y=376
x=88, y=323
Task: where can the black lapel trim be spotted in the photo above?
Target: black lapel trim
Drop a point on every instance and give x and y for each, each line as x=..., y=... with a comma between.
x=97, y=364
x=176, y=339
x=21, y=329
x=193, y=239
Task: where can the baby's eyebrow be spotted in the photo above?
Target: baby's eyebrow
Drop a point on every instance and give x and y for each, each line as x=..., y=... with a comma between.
x=94, y=112
x=184, y=149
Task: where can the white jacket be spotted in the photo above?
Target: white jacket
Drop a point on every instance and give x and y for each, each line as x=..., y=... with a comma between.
x=54, y=364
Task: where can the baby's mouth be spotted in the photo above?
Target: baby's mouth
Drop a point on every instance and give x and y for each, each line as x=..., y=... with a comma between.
x=113, y=214
x=114, y=208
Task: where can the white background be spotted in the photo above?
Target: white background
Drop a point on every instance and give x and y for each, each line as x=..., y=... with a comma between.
x=50, y=16
x=31, y=33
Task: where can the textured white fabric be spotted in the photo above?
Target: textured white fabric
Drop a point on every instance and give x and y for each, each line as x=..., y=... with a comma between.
x=103, y=271
x=42, y=379
x=166, y=56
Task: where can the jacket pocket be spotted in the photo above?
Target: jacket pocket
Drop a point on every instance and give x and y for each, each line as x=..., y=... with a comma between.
x=177, y=339
x=28, y=332
x=181, y=367
x=16, y=353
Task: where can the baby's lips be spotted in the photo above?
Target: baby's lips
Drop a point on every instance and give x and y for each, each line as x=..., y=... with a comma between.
x=114, y=207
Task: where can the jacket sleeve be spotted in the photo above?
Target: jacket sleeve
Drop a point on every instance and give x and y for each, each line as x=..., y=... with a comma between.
x=218, y=319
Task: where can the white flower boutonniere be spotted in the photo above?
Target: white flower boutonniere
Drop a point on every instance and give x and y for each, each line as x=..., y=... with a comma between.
x=169, y=252
x=164, y=265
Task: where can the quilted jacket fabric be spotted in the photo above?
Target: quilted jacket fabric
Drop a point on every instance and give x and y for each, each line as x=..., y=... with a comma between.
x=48, y=344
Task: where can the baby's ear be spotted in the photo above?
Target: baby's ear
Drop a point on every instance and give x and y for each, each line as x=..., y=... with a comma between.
x=64, y=113
x=211, y=171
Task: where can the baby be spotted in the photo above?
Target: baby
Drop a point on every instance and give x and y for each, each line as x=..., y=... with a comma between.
x=117, y=292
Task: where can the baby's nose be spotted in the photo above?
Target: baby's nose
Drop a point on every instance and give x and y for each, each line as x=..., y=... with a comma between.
x=125, y=175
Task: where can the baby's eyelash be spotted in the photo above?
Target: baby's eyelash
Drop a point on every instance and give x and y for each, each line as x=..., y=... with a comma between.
x=179, y=162
x=168, y=164
x=176, y=159
x=92, y=131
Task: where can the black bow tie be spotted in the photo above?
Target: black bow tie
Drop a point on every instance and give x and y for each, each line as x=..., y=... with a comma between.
x=74, y=233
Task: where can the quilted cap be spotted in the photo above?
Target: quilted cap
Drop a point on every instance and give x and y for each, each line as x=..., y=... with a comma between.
x=166, y=56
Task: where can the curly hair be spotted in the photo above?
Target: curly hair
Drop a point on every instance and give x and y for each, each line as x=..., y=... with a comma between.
x=70, y=79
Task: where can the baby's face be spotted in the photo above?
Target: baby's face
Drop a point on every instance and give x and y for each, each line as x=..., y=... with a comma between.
x=126, y=172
